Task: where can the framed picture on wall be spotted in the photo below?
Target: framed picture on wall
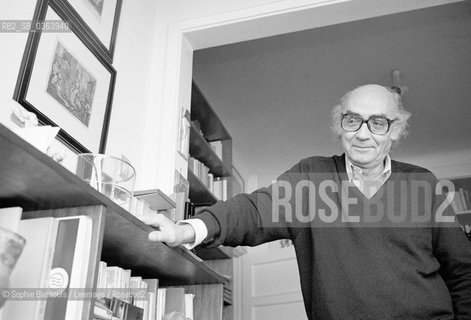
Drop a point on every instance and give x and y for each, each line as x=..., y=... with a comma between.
x=99, y=18
x=184, y=123
x=65, y=82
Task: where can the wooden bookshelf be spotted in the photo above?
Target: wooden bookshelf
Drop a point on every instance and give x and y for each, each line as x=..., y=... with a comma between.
x=201, y=150
x=212, y=129
x=201, y=110
x=35, y=182
x=206, y=198
x=207, y=297
x=463, y=192
x=214, y=253
x=199, y=194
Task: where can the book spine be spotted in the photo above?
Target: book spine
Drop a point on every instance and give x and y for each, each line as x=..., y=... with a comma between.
x=48, y=266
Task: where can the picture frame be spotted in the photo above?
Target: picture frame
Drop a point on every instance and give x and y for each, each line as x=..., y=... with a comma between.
x=65, y=80
x=183, y=141
x=99, y=19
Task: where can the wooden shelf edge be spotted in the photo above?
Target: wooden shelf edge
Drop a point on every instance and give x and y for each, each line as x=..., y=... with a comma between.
x=212, y=253
x=201, y=150
x=220, y=253
x=199, y=194
x=34, y=181
x=208, y=119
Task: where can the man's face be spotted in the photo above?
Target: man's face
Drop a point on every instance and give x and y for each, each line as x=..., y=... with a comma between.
x=364, y=148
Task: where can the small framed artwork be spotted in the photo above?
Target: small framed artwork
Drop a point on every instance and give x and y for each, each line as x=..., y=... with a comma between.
x=100, y=19
x=184, y=123
x=65, y=82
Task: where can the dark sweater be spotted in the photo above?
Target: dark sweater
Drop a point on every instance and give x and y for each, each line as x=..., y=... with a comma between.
x=359, y=270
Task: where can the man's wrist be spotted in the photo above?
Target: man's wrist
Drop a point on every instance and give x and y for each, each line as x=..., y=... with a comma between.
x=197, y=233
x=188, y=233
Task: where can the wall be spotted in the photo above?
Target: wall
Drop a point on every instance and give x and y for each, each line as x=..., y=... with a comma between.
x=133, y=56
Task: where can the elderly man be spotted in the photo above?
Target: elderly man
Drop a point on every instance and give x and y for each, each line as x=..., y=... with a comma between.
x=373, y=236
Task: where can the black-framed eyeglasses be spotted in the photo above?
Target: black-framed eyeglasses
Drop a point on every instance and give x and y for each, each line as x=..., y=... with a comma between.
x=376, y=124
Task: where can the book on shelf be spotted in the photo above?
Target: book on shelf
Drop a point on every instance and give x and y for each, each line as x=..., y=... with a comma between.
x=220, y=188
x=189, y=306
x=174, y=300
x=124, y=310
x=201, y=171
x=461, y=200
x=139, y=298
x=132, y=290
x=126, y=284
x=152, y=288
x=102, y=311
x=113, y=277
x=180, y=194
x=69, y=266
x=33, y=267
x=160, y=303
x=101, y=277
x=135, y=282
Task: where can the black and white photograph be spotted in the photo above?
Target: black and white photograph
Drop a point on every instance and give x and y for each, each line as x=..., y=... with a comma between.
x=295, y=159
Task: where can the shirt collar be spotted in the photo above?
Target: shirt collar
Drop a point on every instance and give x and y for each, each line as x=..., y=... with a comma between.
x=353, y=170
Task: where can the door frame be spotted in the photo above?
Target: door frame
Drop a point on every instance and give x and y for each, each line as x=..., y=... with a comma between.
x=270, y=19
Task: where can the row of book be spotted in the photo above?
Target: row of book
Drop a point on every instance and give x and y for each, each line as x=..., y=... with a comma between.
x=171, y=303
x=52, y=277
x=217, y=186
x=201, y=171
x=216, y=146
x=461, y=201
x=126, y=297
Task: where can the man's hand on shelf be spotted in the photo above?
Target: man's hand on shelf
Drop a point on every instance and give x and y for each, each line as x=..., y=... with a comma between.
x=168, y=231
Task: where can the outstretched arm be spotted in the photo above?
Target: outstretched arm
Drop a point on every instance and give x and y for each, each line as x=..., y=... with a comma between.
x=246, y=219
x=171, y=233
